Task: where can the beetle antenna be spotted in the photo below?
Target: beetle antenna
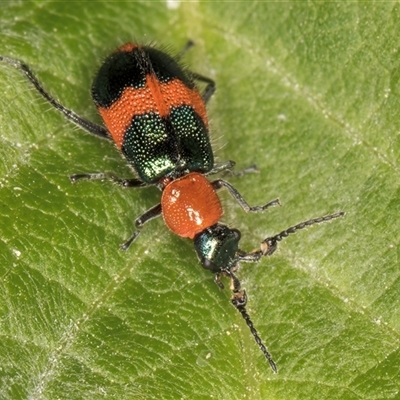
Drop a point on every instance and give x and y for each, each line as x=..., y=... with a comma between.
x=239, y=301
x=269, y=245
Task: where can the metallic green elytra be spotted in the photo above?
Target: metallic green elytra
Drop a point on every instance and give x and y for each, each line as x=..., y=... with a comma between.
x=157, y=147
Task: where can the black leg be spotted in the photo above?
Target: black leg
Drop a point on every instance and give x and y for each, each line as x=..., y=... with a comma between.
x=128, y=183
x=219, y=183
x=252, y=169
x=83, y=123
x=225, y=166
x=210, y=87
x=153, y=212
x=150, y=214
x=210, y=84
x=189, y=44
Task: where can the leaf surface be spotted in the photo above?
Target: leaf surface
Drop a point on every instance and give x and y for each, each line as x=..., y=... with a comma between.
x=308, y=92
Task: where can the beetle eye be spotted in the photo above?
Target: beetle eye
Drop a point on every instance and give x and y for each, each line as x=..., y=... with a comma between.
x=207, y=264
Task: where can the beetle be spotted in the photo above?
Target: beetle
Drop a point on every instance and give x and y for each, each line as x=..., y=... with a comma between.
x=156, y=116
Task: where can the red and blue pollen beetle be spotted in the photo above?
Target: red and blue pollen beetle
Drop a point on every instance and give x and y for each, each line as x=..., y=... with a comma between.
x=157, y=118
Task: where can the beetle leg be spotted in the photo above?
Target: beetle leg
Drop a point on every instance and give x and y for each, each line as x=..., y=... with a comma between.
x=107, y=175
x=219, y=183
x=83, y=123
x=147, y=216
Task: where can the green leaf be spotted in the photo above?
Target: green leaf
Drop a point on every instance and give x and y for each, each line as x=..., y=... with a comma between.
x=308, y=92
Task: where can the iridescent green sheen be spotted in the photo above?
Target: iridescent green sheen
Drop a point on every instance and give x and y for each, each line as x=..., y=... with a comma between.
x=157, y=147
x=217, y=246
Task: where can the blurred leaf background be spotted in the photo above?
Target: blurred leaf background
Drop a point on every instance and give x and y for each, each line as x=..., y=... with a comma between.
x=309, y=91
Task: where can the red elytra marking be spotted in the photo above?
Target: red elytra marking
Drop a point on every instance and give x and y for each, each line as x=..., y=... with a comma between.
x=158, y=96
x=128, y=47
x=190, y=205
x=154, y=97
